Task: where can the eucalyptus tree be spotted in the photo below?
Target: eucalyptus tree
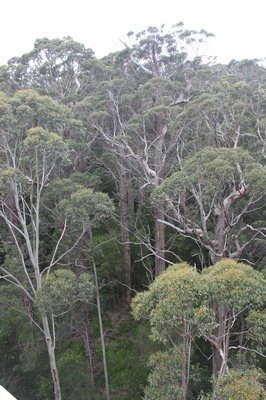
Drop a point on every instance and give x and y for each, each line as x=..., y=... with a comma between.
x=54, y=67
x=32, y=154
x=243, y=384
x=140, y=90
x=229, y=113
x=99, y=113
x=183, y=304
x=169, y=73
x=86, y=210
x=233, y=291
x=212, y=199
x=171, y=306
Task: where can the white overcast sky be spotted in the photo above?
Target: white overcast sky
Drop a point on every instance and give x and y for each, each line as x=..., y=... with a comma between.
x=239, y=25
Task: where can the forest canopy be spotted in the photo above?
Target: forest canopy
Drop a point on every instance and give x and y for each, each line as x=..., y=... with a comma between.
x=132, y=222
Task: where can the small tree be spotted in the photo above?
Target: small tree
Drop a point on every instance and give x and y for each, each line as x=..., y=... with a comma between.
x=31, y=155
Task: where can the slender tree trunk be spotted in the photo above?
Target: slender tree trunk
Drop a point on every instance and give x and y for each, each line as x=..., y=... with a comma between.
x=107, y=391
x=86, y=332
x=221, y=335
x=51, y=354
x=124, y=216
x=218, y=334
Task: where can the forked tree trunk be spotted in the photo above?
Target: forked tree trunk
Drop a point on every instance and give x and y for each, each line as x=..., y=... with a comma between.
x=49, y=340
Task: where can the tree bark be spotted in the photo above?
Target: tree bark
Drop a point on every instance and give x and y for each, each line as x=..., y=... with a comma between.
x=221, y=336
x=219, y=236
x=52, y=360
x=106, y=378
x=124, y=229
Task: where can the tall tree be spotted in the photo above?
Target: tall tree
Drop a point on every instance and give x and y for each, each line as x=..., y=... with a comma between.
x=211, y=199
x=135, y=106
x=30, y=157
x=54, y=67
x=162, y=56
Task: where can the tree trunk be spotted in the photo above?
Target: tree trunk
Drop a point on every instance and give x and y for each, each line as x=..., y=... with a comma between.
x=106, y=378
x=159, y=241
x=124, y=215
x=221, y=335
x=51, y=353
x=159, y=159
x=219, y=237
x=186, y=361
x=86, y=332
x=89, y=345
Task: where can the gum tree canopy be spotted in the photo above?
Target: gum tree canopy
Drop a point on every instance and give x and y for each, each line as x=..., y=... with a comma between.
x=211, y=199
x=32, y=155
x=183, y=304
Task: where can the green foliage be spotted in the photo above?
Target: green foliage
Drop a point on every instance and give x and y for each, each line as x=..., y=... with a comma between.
x=242, y=385
x=128, y=349
x=86, y=207
x=48, y=149
x=183, y=303
x=256, y=321
x=72, y=367
x=215, y=169
x=172, y=301
x=70, y=127
x=235, y=285
x=164, y=381
x=62, y=289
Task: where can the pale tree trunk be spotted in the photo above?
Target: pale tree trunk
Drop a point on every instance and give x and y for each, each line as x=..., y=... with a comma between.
x=50, y=344
x=220, y=345
x=106, y=378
